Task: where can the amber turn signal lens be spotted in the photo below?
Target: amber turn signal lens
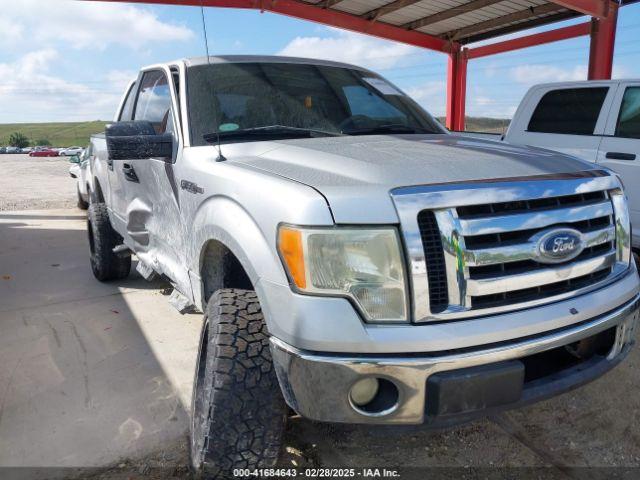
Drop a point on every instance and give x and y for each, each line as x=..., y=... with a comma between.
x=290, y=246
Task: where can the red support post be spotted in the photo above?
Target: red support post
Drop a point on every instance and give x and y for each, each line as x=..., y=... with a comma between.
x=456, y=89
x=603, y=39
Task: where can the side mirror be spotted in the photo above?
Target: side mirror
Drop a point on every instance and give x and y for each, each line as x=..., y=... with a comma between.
x=137, y=140
x=74, y=159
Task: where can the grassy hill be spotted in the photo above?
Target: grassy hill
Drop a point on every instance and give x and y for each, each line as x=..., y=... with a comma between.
x=77, y=133
x=59, y=134
x=484, y=124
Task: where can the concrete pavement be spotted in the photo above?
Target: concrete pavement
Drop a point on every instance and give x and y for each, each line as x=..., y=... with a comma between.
x=90, y=373
x=95, y=375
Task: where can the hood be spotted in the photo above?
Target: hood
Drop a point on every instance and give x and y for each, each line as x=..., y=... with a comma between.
x=356, y=173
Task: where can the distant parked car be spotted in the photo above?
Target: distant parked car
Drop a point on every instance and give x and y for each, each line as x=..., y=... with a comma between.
x=26, y=150
x=70, y=151
x=3, y=149
x=12, y=150
x=43, y=152
x=80, y=170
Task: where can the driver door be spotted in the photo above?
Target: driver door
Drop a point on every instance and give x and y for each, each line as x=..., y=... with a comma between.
x=154, y=222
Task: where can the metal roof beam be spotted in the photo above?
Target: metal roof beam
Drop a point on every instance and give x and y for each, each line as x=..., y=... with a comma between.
x=325, y=16
x=449, y=13
x=594, y=8
x=542, y=38
x=387, y=9
x=519, y=27
x=328, y=3
x=495, y=23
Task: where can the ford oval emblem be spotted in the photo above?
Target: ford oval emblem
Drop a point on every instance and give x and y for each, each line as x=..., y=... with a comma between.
x=559, y=245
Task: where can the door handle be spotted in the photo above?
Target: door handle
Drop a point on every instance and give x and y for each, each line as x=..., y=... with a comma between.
x=620, y=156
x=130, y=173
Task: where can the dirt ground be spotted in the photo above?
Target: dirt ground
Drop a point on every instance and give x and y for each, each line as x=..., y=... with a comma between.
x=596, y=426
x=35, y=182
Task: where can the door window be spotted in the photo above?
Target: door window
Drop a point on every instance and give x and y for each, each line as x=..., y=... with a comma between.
x=127, y=108
x=572, y=111
x=154, y=102
x=629, y=119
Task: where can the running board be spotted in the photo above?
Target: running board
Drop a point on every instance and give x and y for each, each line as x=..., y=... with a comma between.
x=146, y=271
x=181, y=303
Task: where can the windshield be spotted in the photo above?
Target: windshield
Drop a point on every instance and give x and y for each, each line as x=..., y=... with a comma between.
x=236, y=97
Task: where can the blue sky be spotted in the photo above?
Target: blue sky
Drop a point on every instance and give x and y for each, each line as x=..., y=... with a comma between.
x=74, y=65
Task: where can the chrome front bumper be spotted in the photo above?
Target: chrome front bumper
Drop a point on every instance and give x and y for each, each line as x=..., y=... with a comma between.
x=317, y=385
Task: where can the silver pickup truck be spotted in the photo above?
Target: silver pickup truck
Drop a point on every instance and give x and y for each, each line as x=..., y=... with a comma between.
x=354, y=261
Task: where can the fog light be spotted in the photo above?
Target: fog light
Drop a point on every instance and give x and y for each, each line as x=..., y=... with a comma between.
x=364, y=391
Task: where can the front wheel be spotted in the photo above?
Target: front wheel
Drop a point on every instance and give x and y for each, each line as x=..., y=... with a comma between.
x=238, y=412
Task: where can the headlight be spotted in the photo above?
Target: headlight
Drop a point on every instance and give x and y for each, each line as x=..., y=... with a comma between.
x=623, y=226
x=362, y=264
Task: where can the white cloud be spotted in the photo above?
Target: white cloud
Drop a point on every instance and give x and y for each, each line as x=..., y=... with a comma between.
x=430, y=95
x=482, y=101
x=532, y=74
x=121, y=78
x=10, y=32
x=83, y=24
x=354, y=48
x=28, y=92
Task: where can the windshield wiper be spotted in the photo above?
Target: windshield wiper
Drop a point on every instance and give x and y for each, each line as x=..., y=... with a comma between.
x=390, y=128
x=269, y=131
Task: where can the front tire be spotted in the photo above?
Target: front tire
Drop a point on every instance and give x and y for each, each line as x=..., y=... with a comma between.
x=238, y=412
x=105, y=264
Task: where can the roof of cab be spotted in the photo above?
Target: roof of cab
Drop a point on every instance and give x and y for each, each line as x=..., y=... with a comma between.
x=584, y=83
x=195, y=61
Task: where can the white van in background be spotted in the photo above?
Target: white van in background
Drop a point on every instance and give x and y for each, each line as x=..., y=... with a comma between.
x=598, y=121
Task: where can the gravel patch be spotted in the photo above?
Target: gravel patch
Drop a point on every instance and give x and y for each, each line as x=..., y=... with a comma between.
x=30, y=183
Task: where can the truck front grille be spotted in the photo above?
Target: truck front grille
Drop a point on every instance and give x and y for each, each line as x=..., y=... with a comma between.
x=482, y=257
x=434, y=257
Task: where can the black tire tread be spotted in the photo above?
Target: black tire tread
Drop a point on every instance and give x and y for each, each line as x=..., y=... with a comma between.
x=105, y=264
x=82, y=205
x=246, y=413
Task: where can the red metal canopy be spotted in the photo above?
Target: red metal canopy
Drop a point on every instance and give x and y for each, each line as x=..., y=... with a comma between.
x=448, y=26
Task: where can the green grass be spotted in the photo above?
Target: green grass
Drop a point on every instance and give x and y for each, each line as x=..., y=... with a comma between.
x=59, y=134
x=77, y=133
x=484, y=124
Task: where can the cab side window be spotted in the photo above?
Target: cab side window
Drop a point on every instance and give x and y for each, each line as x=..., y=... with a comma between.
x=127, y=108
x=629, y=119
x=154, y=102
x=569, y=111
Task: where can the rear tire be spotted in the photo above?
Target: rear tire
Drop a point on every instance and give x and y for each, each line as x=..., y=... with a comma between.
x=105, y=264
x=82, y=205
x=238, y=412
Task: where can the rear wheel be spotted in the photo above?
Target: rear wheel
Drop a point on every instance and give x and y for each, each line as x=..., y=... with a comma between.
x=105, y=264
x=238, y=412
x=82, y=204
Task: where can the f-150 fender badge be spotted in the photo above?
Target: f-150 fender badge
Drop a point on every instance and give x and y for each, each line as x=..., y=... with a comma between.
x=190, y=187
